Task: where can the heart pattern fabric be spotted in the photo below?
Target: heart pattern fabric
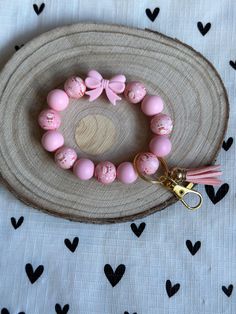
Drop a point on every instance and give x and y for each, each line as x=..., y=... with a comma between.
x=51, y=265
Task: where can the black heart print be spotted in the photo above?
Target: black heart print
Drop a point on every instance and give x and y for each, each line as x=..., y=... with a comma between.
x=5, y=311
x=193, y=248
x=72, y=245
x=152, y=15
x=114, y=276
x=233, y=64
x=38, y=10
x=138, y=230
x=60, y=310
x=32, y=274
x=18, y=223
x=227, y=144
x=228, y=291
x=203, y=29
x=171, y=290
x=220, y=194
x=18, y=47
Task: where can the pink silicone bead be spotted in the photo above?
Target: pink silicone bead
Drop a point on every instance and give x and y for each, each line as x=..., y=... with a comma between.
x=126, y=173
x=49, y=119
x=161, y=124
x=65, y=157
x=84, y=169
x=58, y=100
x=160, y=145
x=152, y=105
x=105, y=172
x=75, y=87
x=52, y=140
x=147, y=163
x=135, y=92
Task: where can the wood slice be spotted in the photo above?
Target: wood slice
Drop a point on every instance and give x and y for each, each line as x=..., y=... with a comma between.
x=192, y=90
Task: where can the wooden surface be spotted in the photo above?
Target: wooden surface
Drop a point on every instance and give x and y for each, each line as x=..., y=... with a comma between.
x=191, y=88
x=95, y=134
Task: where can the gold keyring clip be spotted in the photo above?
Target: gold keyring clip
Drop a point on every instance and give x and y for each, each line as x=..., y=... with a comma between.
x=178, y=190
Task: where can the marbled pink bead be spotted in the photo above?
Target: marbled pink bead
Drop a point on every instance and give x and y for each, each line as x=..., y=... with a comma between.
x=52, y=140
x=126, y=173
x=75, y=87
x=105, y=172
x=161, y=124
x=58, y=100
x=152, y=105
x=160, y=145
x=84, y=169
x=147, y=163
x=135, y=92
x=49, y=119
x=65, y=157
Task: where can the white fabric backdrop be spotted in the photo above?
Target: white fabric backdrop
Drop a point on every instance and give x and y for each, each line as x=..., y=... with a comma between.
x=160, y=253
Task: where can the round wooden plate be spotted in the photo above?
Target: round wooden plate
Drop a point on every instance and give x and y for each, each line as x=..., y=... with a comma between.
x=192, y=90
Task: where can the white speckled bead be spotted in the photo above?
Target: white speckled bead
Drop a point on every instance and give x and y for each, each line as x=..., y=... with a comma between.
x=75, y=87
x=161, y=124
x=147, y=163
x=65, y=157
x=49, y=119
x=105, y=172
x=135, y=92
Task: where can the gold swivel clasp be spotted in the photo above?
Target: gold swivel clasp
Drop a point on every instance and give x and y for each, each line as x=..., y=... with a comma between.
x=181, y=191
x=174, y=180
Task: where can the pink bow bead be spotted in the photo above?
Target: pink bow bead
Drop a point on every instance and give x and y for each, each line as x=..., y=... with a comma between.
x=97, y=84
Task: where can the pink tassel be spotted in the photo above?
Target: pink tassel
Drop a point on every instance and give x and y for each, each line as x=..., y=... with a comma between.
x=204, y=175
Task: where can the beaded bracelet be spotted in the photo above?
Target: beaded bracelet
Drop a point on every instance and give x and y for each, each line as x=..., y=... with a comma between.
x=145, y=164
